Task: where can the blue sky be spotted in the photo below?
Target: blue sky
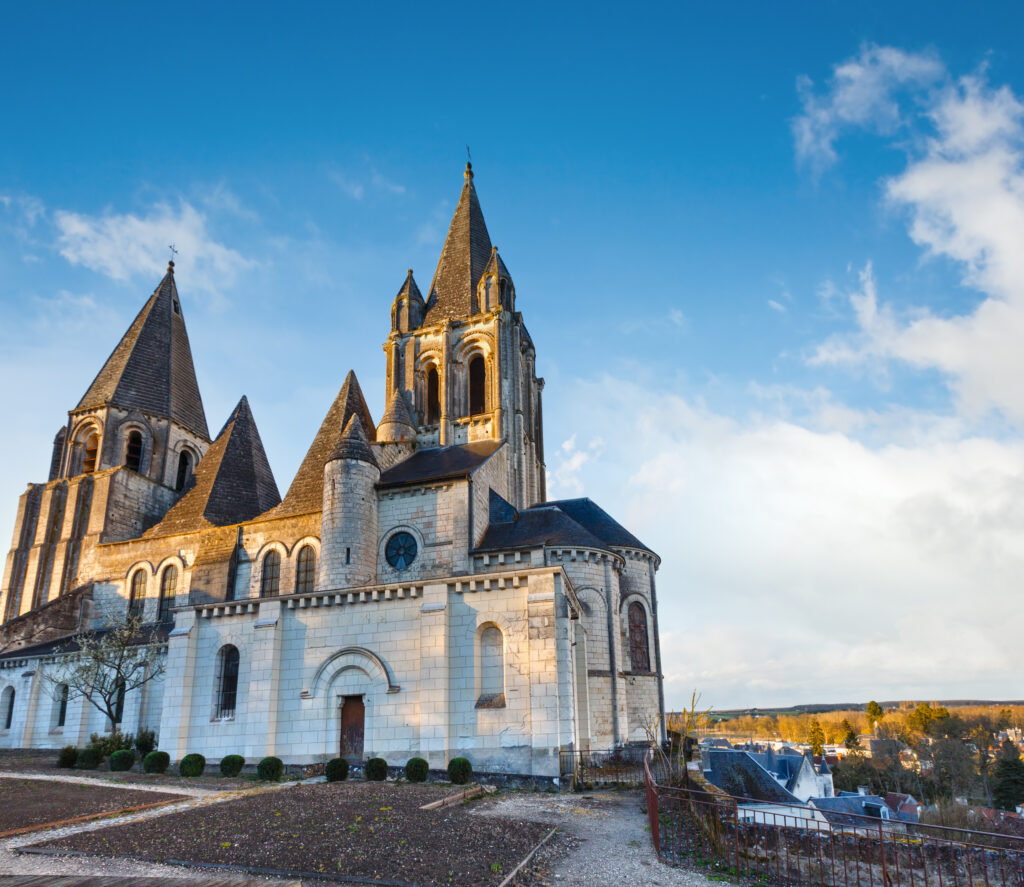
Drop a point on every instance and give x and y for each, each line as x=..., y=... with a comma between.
x=768, y=255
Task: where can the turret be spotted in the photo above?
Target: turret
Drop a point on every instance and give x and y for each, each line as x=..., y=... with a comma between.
x=495, y=288
x=408, y=308
x=348, y=534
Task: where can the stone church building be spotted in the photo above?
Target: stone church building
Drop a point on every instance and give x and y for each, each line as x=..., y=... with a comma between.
x=413, y=592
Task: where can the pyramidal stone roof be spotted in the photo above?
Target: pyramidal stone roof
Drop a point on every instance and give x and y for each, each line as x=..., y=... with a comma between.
x=233, y=482
x=495, y=265
x=352, y=444
x=306, y=493
x=409, y=288
x=151, y=368
x=397, y=412
x=466, y=252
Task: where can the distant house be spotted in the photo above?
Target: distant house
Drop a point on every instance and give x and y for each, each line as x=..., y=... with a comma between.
x=903, y=806
x=851, y=810
x=781, y=778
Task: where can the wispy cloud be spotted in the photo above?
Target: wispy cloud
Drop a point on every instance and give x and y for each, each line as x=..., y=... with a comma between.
x=357, y=184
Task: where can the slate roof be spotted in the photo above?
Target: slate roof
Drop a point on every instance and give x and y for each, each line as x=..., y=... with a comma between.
x=849, y=808
x=154, y=632
x=465, y=254
x=741, y=775
x=352, y=444
x=439, y=463
x=540, y=525
x=306, y=493
x=151, y=368
x=232, y=483
x=597, y=521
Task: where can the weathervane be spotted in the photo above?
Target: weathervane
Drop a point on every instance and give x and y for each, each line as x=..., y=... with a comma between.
x=174, y=252
x=469, y=157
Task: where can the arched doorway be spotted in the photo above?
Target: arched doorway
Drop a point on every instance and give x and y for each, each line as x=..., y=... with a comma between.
x=353, y=726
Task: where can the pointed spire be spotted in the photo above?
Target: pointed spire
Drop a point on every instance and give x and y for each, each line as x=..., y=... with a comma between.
x=495, y=265
x=466, y=251
x=409, y=289
x=396, y=426
x=306, y=492
x=352, y=444
x=151, y=368
x=232, y=483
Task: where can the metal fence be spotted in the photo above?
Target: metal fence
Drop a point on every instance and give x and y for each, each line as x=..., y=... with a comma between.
x=783, y=844
x=611, y=766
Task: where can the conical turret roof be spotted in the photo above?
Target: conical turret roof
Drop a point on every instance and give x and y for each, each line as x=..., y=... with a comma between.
x=151, y=368
x=232, y=483
x=352, y=444
x=464, y=256
x=397, y=412
x=409, y=288
x=306, y=492
x=495, y=265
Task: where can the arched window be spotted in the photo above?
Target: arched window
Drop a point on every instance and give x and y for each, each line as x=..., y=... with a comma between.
x=90, y=452
x=119, y=703
x=271, y=582
x=133, y=450
x=492, y=668
x=137, y=594
x=433, y=397
x=477, y=386
x=184, y=470
x=305, y=570
x=227, y=681
x=639, y=656
x=62, y=704
x=168, y=589
x=7, y=706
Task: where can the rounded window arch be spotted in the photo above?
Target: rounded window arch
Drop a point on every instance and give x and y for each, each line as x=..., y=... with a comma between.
x=90, y=451
x=168, y=590
x=119, y=702
x=133, y=445
x=432, y=411
x=137, y=594
x=305, y=570
x=491, y=646
x=186, y=465
x=61, y=703
x=270, y=578
x=227, y=681
x=639, y=652
x=7, y=707
x=477, y=385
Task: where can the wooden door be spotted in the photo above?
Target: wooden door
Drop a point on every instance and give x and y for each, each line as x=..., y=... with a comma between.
x=353, y=720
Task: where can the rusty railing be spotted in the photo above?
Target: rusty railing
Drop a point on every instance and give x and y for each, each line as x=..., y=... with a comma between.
x=790, y=845
x=613, y=766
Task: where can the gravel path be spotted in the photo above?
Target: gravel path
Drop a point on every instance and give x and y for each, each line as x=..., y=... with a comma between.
x=609, y=844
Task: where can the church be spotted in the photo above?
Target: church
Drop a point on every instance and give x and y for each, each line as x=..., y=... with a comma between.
x=414, y=593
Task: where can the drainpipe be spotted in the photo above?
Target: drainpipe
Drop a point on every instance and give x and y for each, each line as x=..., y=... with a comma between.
x=657, y=654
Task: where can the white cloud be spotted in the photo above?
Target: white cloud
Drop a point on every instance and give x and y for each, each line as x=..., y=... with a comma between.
x=564, y=476
x=863, y=92
x=356, y=185
x=801, y=564
x=776, y=306
x=963, y=192
x=123, y=246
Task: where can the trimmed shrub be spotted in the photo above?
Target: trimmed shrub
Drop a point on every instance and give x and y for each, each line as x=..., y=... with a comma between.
x=192, y=765
x=336, y=770
x=416, y=769
x=112, y=742
x=231, y=765
x=67, y=757
x=156, y=762
x=460, y=771
x=376, y=769
x=89, y=758
x=145, y=742
x=270, y=769
x=121, y=760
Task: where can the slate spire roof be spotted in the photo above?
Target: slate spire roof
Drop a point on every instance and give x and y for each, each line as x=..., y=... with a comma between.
x=352, y=444
x=409, y=288
x=397, y=412
x=233, y=482
x=464, y=256
x=151, y=368
x=306, y=492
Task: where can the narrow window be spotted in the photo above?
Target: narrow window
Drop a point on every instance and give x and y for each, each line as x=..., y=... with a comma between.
x=168, y=589
x=305, y=570
x=184, y=470
x=119, y=703
x=62, y=704
x=133, y=451
x=8, y=707
x=477, y=386
x=639, y=657
x=271, y=581
x=137, y=595
x=433, y=397
x=348, y=556
x=227, y=683
x=492, y=668
x=90, y=450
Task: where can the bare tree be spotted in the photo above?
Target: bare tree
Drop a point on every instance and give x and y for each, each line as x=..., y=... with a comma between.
x=106, y=664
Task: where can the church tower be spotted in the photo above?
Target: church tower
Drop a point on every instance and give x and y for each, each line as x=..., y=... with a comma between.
x=462, y=359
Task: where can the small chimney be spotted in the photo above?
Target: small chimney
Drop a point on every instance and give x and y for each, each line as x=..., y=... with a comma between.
x=863, y=790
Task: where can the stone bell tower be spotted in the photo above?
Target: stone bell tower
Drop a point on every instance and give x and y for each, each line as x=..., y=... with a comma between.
x=462, y=358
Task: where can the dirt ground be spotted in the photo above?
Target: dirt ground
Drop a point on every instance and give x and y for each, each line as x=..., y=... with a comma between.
x=370, y=830
x=30, y=802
